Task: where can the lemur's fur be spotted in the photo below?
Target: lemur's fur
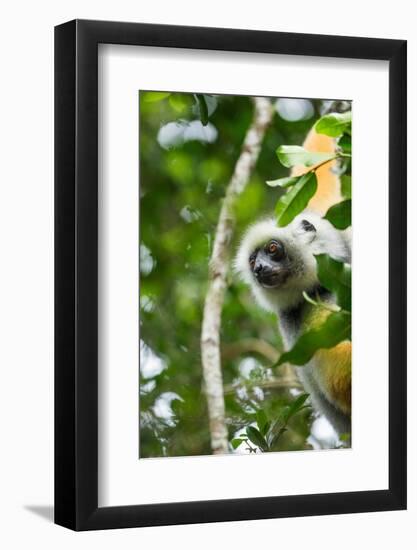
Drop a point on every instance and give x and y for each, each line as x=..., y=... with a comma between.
x=327, y=377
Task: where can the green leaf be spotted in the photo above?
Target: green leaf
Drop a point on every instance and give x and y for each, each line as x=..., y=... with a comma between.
x=334, y=124
x=285, y=414
x=345, y=142
x=275, y=438
x=296, y=406
x=202, y=108
x=261, y=420
x=179, y=102
x=340, y=215
x=283, y=182
x=236, y=442
x=211, y=102
x=266, y=428
x=152, y=97
x=296, y=199
x=346, y=184
x=293, y=155
x=336, y=277
x=256, y=437
x=335, y=329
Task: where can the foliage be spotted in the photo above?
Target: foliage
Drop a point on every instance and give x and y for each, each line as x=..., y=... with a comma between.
x=302, y=187
x=294, y=155
x=335, y=329
x=296, y=199
x=340, y=215
x=346, y=185
x=333, y=275
x=268, y=433
x=334, y=124
x=336, y=277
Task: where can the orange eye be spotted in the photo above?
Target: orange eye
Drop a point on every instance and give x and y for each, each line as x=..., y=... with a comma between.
x=276, y=250
x=252, y=262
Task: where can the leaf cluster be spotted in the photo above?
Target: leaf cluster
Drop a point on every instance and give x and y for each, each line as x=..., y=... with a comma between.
x=204, y=105
x=333, y=275
x=300, y=189
x=267, y=435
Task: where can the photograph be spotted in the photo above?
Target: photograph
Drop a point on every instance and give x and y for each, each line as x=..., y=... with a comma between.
x=245, y=274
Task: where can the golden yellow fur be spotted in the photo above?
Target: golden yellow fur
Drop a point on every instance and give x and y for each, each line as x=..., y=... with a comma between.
x=332, y=366
x=328, y=190
x=334, y=374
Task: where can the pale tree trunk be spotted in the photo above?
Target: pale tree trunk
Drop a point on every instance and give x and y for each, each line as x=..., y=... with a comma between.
x=219, y=265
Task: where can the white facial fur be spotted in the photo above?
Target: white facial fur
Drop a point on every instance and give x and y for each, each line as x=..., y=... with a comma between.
x=301, y=245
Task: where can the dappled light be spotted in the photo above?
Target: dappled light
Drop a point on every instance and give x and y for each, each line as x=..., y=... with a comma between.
x=175, y=134
x=293, y=110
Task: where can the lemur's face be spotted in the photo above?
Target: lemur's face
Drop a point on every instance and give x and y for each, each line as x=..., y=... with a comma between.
x=279, y=264
x=272, y=263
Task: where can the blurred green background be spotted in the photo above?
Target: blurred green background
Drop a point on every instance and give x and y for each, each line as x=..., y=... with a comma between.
x=185, y=167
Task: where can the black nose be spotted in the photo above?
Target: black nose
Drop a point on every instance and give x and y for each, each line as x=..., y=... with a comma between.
x=262, y=270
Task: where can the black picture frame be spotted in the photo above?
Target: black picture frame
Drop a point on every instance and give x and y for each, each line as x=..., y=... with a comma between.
x=76, y=272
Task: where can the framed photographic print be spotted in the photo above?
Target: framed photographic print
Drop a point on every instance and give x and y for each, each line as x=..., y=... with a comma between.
x=230, y=247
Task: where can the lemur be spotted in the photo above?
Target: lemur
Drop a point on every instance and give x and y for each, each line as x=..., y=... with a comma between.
x=279, y=265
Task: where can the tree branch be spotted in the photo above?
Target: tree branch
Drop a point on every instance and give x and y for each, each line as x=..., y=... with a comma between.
x=219, y=264
x=283, y=383
x=248, y=345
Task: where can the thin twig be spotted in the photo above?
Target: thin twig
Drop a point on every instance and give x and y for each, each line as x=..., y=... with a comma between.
x=250, y=345
x=219, y=265
x=334, y=308
x=320, y=164
x=273, y=384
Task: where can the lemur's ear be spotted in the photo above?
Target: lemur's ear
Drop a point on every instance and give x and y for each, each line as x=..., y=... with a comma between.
x=307, y=226
x=306, y=230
